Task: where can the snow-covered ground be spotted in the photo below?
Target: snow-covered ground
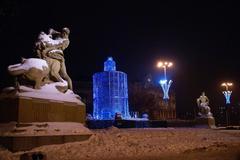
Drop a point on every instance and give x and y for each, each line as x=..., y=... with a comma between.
x=43, y=129
x=149, y=144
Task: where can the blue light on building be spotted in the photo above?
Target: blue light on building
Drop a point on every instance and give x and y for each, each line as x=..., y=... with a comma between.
x=110, y=64
x=227, y=95
x=110, y=92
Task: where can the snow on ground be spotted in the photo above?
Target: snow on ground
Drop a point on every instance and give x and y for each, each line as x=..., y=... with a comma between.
x=43, y=129
x=149, y=144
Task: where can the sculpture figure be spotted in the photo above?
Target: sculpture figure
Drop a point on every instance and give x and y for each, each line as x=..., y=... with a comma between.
x=43, y=90
x=33, y=69
x=204, y=109
x=50, y=67
x=50, y=47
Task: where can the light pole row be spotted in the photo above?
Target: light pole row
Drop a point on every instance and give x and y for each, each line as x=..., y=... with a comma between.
x=165, y=84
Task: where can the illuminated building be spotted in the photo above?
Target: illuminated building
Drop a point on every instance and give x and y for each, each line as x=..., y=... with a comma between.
x=110, y=92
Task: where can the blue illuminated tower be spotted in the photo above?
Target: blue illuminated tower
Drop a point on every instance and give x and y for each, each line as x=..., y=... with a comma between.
x=110, y=92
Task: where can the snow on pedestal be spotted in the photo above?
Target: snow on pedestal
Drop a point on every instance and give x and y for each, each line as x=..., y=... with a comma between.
x=25, y=104
x=48, y=92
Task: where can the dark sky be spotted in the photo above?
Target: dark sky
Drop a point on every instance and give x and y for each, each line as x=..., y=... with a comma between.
x=202, y=39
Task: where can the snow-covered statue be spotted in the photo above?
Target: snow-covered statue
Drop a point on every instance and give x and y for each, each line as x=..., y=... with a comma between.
x=46, y=74
x=50, y=67
x=42, y=91
x=50, y=47
x=204, y=109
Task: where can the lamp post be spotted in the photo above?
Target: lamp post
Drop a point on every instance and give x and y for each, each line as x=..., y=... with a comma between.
x=165, y=84
x=227, y=94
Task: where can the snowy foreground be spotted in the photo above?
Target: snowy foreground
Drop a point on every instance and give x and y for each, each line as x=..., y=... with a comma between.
x=145, y=144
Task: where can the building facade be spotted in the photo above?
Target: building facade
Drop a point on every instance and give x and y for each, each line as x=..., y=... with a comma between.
x=149, y=99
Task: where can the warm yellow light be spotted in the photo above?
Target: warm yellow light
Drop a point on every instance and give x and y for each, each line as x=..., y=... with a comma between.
x=160, y=64
x=227, y=84
x=223, y=84
x=170, y=64
x=164, y=64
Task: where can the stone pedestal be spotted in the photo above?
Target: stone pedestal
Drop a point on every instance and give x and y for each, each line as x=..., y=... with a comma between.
x=205, y=122
x=40, y=122
x=25, y=109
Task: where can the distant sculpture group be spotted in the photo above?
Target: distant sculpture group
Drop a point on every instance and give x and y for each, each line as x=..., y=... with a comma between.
x=204, y=109
x=50, y=66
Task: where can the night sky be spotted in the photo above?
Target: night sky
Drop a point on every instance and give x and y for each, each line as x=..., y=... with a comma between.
x=202, y=40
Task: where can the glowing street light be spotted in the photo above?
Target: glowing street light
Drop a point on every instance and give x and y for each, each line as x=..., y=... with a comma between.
x=165, y=84
x=227, y=93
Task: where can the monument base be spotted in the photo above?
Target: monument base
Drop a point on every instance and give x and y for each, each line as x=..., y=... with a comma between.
x=25, y=136
x=28, y=109
x=205, y=122
x=21, y=113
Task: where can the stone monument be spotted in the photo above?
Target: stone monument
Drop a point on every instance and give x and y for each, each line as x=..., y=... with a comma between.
x=205, y=116
x=42, y=94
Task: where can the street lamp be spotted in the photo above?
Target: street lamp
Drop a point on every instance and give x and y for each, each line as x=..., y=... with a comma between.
x=227, y=93
x=165, y=84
